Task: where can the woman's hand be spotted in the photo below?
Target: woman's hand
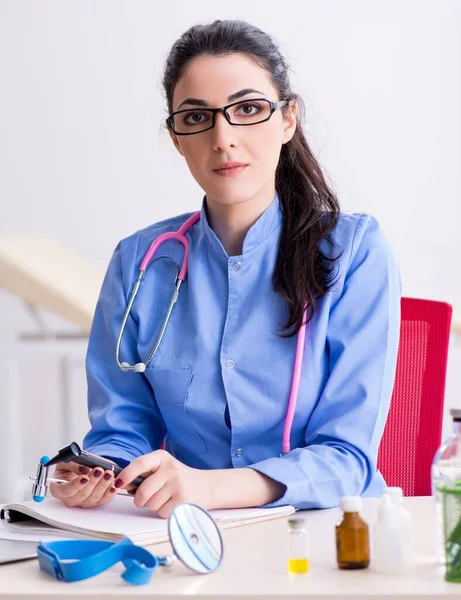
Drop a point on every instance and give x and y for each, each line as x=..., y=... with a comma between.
x=85, y=488
x=168, y=483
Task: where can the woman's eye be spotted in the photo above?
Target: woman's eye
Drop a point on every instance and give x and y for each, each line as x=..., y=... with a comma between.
x=248, y=109
x=194, y=118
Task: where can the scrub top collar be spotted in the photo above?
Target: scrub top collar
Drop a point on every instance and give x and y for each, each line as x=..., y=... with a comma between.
x=258, y=233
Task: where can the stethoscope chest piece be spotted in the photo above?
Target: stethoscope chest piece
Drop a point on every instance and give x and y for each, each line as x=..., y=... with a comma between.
x=194, y=537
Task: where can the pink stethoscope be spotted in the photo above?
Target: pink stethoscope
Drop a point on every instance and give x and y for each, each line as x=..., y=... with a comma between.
x=140, y=367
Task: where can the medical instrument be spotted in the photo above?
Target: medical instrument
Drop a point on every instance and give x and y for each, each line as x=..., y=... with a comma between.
x=194, y=537
x=70, y=453
x=74, y=560
x=140, y=367
x=298, y=546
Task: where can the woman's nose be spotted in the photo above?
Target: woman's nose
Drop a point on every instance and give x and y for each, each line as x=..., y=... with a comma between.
x=224, y=134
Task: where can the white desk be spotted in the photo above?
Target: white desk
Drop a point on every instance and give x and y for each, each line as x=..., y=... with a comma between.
x=254, y=567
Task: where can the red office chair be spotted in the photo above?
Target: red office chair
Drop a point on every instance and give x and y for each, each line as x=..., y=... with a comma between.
x=413, y=428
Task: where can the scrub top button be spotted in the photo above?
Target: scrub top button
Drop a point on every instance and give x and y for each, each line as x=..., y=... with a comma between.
x=236, y=266
x=238, y=452
x=230, y=364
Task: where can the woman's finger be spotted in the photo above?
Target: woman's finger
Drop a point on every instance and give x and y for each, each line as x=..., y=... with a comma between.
x=101, y=482
x=81, y=494
x=64, y=491
x=165, y=511
x=71, y=467
x=148, y=488
x=109, y=495
x=147, y=463
x=159, y=499
x=83, y=470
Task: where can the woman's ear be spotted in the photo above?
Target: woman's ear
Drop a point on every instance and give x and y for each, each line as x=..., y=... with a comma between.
x=174, y=139
x=289, y=122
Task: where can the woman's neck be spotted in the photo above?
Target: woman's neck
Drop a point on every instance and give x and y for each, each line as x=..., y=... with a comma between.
x=231, y=222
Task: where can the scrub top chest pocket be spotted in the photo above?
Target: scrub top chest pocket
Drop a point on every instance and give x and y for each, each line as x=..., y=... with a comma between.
x=171, y=390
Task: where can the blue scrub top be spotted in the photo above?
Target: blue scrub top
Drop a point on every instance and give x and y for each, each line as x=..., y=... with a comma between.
x=219, y=385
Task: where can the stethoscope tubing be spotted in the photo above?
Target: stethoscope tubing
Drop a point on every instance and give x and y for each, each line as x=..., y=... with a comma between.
x=140, y=367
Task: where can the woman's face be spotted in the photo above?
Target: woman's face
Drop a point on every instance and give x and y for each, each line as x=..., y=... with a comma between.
x=213, y=79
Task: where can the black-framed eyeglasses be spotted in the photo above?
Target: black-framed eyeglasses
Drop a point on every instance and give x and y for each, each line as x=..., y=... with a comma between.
x=242, y=114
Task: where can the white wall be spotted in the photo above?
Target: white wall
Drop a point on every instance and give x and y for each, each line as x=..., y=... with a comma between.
x=84, y=158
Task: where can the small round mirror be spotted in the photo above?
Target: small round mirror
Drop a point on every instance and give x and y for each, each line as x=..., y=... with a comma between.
x=195, y=538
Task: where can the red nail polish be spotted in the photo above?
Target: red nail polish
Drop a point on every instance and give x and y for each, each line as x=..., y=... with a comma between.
x=112, y=489
x=97, y=473
x=83, y=480
x=118, y=483
x=107, y=476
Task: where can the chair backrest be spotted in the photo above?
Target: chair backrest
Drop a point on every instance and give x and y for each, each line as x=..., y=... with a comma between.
x=413, y=428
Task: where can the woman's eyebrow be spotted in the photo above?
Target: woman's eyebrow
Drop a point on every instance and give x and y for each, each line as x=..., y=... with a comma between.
x=231, y=98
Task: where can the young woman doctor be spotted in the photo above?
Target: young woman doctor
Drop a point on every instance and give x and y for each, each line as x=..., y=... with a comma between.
x=270, y=241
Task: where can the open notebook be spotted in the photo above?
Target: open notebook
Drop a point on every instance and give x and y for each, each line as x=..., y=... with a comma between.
x=114, y=521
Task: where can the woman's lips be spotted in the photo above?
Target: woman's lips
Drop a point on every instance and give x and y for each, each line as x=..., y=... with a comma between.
x=230, y=172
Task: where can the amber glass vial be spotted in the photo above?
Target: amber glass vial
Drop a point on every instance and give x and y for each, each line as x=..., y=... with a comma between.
x=352, y=537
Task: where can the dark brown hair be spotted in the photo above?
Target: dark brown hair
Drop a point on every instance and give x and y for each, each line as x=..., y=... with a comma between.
x=310, y=210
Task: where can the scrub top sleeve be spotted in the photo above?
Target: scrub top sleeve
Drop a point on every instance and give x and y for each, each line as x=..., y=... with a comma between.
x=125, y=420
x=345, y=428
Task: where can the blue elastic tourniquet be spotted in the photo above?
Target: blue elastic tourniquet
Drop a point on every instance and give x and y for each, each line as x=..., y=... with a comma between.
x=73, y=560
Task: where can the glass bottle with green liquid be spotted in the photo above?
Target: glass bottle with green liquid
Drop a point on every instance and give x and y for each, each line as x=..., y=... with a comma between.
x=445, y=475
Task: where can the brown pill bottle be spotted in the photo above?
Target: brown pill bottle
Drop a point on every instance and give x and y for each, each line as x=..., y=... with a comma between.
x=352, y=538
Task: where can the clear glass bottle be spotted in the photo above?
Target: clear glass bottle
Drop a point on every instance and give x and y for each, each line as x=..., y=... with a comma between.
x=446, y=469
x=352, y=536
x=298, y=546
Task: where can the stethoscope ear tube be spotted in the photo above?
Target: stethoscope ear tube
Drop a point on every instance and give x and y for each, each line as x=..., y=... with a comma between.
x=173, y=300
x=179, y=236
x=140, y=367
x=124, y=366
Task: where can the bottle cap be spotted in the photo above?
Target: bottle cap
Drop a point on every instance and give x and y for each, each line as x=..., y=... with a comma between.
x=396, y=493
x=350, y=503
x=455, y=414
x=387, y=508
x=296, y=523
